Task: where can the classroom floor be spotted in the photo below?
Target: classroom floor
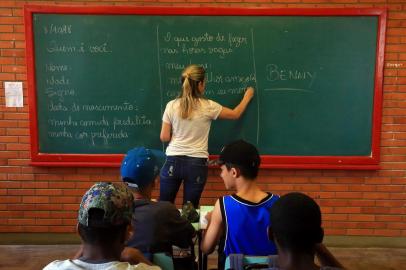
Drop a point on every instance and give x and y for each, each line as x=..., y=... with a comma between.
x=34, y=257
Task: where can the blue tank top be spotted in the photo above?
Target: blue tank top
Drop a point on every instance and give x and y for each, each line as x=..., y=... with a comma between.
x=246, y=226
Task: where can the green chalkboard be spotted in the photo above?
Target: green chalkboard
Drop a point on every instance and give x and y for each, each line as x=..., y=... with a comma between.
x=102, y=80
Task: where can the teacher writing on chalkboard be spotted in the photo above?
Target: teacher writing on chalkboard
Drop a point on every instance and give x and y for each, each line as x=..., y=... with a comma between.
x=186, y=125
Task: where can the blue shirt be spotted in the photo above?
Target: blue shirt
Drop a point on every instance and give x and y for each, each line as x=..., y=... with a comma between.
x=246, y=225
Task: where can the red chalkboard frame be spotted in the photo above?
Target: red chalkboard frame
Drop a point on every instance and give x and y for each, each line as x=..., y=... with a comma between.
x=370, y=162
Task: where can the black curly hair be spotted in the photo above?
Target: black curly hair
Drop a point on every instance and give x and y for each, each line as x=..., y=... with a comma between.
x=296, y=223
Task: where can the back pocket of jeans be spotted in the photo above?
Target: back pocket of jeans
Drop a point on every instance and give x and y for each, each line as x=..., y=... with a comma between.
x=168, y=169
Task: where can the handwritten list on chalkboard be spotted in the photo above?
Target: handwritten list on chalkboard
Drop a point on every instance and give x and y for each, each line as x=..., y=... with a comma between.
x=102, y=80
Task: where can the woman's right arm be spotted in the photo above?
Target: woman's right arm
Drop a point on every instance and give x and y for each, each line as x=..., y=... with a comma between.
x=227, y=113
x=166, y=132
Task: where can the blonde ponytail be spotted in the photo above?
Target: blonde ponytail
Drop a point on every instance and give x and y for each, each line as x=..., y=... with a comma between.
x=190, y=94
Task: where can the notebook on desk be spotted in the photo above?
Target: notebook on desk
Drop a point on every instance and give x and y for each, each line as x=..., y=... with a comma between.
x=204, y=209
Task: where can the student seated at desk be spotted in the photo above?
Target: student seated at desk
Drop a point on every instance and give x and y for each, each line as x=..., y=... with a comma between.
x=240, y=220
x=104, y=224
x=157, y=225
x=297, y=232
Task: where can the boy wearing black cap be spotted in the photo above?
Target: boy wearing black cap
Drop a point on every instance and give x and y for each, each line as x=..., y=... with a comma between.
x=158, y=225
x=240, y=220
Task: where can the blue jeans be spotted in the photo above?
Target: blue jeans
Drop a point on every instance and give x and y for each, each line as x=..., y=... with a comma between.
x=192, y=171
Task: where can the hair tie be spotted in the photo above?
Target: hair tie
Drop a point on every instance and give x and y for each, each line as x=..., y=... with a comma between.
x=188, y=75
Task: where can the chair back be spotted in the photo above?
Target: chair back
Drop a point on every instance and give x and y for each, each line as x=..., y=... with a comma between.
x=241, y=262
x=163, y=260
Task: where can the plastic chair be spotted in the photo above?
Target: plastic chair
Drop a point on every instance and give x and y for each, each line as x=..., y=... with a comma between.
x=163, y=260
x=238, y=261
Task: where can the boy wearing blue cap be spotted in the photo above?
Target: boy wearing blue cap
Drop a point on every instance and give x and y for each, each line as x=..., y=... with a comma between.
x=158, y=225
x=104, y=224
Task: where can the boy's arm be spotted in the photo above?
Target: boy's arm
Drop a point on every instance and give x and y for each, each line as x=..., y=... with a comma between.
x=326, y=258
x=129, y=254
x=133, y=256
x=214, y=229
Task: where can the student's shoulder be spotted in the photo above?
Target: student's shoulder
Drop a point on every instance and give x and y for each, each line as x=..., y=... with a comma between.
x=143, y=266
x=67, y=264
x=165, y=206
x=226, y=196
x=273, y=195
x=54, y=265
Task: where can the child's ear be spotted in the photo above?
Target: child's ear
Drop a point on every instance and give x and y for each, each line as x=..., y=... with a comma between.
x=235, y=172
x=77, y=230
x=320, y=236
x=129, y=232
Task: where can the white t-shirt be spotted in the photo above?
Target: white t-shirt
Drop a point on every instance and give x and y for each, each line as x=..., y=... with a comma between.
x=190, y=136
x=80, y=265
